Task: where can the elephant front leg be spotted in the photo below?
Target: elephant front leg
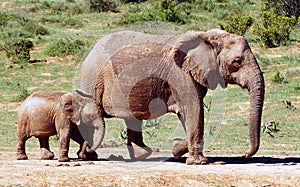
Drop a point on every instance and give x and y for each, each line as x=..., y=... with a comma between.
x=136, y=147
x=64, y=141
x=83, y=145
x=195, y=148
x=195, y=131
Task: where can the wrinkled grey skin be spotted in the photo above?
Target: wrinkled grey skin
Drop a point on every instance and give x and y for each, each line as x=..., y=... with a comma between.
x=136, y=76
x=44, y=114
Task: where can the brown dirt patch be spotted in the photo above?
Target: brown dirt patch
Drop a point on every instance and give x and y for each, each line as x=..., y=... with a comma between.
x=155, y=171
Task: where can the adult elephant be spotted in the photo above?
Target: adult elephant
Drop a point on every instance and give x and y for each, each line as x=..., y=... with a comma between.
x=136, y=76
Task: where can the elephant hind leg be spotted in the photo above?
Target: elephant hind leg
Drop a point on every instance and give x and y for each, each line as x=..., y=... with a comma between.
x=21, y=153
x=46, y=154
x=135, y=144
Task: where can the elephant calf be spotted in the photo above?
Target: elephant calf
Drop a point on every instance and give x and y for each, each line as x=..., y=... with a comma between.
x=44, y=114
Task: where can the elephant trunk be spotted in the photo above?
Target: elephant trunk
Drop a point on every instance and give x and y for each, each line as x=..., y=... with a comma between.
x=256, y=88
x=101, y=131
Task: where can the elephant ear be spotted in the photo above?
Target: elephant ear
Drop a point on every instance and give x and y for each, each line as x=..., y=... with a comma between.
x=71, y=107
x=196, y=56
x=217, y=39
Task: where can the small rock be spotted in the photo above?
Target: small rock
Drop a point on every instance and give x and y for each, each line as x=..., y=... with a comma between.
x=62, y=165
x=219, y=163
x=114, y=157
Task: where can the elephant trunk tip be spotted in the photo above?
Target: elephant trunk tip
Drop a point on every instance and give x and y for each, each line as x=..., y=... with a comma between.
x=252, y=152
x=90, y=150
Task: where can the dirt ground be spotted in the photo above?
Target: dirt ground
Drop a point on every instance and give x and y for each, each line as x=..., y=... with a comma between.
x=159, y=170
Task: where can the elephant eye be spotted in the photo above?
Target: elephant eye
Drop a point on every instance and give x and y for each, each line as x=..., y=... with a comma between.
x=93, y=116
x=237, y=62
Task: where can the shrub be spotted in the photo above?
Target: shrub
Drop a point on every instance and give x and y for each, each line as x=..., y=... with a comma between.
x=103, y=5
x=164, y=10
x=237, y=24
x=129, y=18
x=133, y=1
x=64, y=47
x=18, y=49
x=32, y=28
x=270, y=128
x=277, y=77
x=58, y=8
x=3, y=19
x=284, y=7
x=169, y=13
x=207, y=5
x=274, y=29
x=21, y=95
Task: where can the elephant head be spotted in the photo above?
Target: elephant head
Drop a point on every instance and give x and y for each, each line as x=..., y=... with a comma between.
x=81, y=108
x=218, y=57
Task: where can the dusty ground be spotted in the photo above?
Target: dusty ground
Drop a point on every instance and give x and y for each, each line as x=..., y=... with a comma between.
x=158, y=170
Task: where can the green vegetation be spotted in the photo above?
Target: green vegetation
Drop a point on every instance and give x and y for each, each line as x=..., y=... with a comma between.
x=103, y=5
x=270, y=128
x=274, y=29
x=64, y=47
x=237, y=24
x=277, y=77
x=18, y=49
x=58, y=34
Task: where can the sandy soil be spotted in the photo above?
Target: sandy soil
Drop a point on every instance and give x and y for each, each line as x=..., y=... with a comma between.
x=159, y=170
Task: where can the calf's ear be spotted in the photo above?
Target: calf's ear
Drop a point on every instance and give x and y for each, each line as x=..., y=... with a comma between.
x=70, y=107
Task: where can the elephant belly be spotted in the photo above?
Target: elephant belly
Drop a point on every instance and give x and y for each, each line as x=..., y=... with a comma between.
x=145, y=100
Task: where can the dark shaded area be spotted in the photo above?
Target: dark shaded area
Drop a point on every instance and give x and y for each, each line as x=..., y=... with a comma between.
x=242, y=160
x=217, y=160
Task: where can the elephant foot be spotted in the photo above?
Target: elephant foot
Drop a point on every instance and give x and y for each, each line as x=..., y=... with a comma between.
x=22, y=156
x=196, y=160
x=46, y=154
x=137, y=152
x=179, y=147
x=64, y=159
x=83, y=154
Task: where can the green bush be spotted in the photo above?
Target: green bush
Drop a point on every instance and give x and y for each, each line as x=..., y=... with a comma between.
x=18, y=49
x=277, y=77
x=31, y=27
x=164, y=10
x=237, y=24
x=21, y=95
x=3, y=19
x=169, y=13
x=64, y=47
x=284, y=7
x=207, y=5
x=274, y=29
x=103, y=5
x=129, y=18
